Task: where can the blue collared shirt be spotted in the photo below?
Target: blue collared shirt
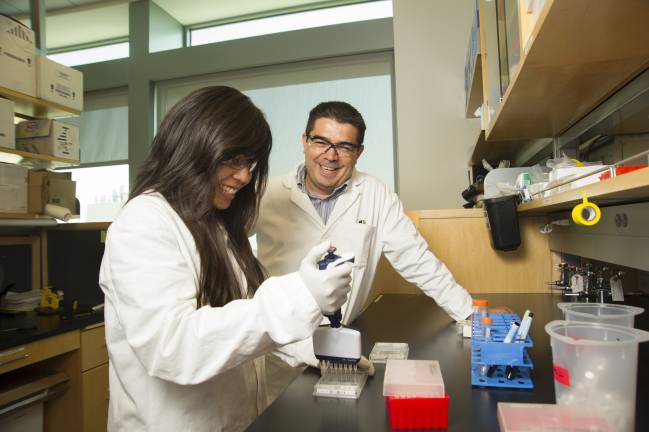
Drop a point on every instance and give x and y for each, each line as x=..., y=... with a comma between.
x=324, y=206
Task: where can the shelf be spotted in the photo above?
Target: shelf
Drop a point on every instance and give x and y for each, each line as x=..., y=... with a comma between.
x=30, y=107
x=625, y=188
x=475, y=97
x=17, y=216
x=580, y=52
x=82, y=226
x=34, y=160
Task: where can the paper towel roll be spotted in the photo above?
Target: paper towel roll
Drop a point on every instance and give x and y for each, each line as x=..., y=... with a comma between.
x=58, y=212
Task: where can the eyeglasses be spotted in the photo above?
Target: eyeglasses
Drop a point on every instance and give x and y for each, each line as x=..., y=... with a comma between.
x=240, y=163
x=322, y=145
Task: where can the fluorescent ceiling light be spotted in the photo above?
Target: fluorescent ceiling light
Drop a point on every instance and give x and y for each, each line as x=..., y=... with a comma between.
x=296, y=21
x=92, y=55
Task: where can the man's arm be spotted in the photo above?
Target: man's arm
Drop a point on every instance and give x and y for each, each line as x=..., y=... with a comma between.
x=408, y=253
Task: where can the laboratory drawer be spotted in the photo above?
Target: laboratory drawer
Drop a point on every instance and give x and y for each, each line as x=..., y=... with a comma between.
x=24, y=355
x=93, y=348
x=95, y=398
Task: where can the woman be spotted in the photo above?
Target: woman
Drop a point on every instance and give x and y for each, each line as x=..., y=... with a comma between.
x=188, y=315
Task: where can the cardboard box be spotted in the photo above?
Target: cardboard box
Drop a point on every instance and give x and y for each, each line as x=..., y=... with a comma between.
x=17, y=68
x=47, y=187
x=13, y=189
x=7, y=128
x=58, y=83
x=49, y=137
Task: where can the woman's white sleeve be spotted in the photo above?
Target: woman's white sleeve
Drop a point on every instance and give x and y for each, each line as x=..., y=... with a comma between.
x=147, y=276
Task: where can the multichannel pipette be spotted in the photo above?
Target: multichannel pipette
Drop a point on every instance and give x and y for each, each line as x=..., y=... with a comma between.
x=336, y=347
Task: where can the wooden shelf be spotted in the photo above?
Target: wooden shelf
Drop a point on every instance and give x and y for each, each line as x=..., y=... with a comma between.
x=626, y=188
x=580, y=52
x=82, y=226
x=34, y=160
x=30, y=107
x=18, y=215
x=474, y=101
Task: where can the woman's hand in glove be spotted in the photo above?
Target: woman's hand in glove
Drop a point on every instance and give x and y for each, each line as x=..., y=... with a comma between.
x=328, y=287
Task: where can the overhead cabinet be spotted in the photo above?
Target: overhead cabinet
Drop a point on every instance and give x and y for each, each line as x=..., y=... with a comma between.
x=571, y=56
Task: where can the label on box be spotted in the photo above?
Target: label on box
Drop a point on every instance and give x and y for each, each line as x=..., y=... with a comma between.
x=561, y=375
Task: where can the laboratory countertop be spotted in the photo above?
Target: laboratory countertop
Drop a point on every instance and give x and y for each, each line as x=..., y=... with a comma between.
x=431, y=334
x=31, y=327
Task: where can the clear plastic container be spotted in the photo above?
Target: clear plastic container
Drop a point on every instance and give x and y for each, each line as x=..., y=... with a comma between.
x=522, y=417
x=480, y=307
x=596, y=365
x=344, y=385
x=486, y=328
x=605, y=313
x=413, y=378
x=382, y=351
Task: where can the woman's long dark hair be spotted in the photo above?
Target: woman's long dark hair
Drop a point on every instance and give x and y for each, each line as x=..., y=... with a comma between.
x=200, y=132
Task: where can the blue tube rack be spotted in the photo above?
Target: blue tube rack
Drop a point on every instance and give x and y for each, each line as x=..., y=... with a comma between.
x=499, y=355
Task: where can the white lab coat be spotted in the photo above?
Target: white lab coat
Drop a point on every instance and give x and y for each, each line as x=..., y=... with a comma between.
x=174, y=367
x=368, y=219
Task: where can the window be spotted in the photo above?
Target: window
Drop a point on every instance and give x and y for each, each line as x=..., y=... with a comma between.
x=295, y=21
x=364, y=81
x=92, y=55
x=102, y=180
x=101, y=191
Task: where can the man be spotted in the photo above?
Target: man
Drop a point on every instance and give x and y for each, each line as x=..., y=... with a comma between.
x=327, y=198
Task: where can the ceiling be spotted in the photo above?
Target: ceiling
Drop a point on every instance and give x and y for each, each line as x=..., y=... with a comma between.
x=77, y=22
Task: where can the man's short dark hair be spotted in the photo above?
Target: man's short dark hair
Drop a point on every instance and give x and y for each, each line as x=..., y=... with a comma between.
x=342, y=112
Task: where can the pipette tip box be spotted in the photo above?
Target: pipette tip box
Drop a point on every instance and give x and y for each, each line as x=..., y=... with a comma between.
x=418, y=413
x=415, y=394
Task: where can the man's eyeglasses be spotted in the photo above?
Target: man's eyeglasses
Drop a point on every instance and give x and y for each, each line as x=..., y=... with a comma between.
x=240, y=163
x=322, y=145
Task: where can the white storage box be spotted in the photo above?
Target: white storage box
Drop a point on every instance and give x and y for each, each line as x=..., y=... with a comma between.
x=49, y=137
x=7, y=128
x=13, y=189
x=17, y=68
x=558, y=175
x=58, y=83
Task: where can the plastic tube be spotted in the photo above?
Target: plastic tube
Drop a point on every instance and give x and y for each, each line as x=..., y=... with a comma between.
x=512, y=331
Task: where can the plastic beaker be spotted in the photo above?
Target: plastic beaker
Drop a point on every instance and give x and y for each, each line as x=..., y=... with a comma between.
x=605, y=313
x=596, y=365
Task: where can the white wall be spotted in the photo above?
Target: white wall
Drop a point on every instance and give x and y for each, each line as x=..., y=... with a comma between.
x=434, y=139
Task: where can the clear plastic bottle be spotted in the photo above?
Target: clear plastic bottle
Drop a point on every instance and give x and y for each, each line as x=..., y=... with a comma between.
x=480, y=307
x=486, y=328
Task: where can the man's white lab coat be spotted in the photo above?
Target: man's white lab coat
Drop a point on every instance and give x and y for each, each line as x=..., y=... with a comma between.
x=174, y=367
x=368, y=220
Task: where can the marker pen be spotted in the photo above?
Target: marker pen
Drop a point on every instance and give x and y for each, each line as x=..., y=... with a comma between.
x=525, y=315
x=525, y=327
x=512, y=331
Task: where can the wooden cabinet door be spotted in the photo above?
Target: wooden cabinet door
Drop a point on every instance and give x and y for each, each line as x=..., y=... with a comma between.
x=95, y=399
